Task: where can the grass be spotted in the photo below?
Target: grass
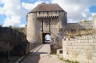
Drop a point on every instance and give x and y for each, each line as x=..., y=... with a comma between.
x=79, y=33
x=68, y=61
x=53, y=54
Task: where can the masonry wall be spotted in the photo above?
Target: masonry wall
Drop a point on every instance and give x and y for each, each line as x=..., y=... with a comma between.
x=33, y=30
x=82, y=50
x=63, y=19
x=58, y=20
x=34, y=26
x=94, y=22
x=55, y=27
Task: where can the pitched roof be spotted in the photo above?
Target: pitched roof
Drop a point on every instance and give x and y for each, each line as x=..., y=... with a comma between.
x=47, y=7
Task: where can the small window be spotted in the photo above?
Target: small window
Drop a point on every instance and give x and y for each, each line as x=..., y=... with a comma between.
x=61, y=52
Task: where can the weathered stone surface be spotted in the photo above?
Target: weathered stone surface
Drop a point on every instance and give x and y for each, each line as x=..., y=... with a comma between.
x=94, y=20
x=80, y=50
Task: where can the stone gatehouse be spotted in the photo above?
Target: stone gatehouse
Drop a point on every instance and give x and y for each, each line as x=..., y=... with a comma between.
x=51, y=19
x=46, y=19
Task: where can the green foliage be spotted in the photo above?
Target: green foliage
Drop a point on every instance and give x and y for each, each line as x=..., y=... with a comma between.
x=85, y=21
x=68, y=61
x=53, y=54
x=16, y=41
x=15, y=28
x=61, y=59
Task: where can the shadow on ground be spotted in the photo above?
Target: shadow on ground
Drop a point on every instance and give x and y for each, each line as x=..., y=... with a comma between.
x=31, y=58
x=3, y=59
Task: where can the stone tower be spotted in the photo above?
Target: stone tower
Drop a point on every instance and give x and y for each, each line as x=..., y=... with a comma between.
x=46, y=19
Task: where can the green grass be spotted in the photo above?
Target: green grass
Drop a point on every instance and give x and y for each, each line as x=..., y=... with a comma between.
x=68, y=61
x=53, y=54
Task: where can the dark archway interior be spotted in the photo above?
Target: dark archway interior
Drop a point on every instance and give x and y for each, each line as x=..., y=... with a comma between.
x=46, y=38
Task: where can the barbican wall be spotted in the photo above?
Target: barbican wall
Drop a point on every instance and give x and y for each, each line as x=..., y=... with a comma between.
x=82, y=49
x=94, y=22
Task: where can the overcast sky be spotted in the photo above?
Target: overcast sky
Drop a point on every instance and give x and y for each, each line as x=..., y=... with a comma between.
x=13, y=12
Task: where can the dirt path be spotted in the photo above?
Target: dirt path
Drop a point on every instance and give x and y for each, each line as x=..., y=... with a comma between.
x=42, y=56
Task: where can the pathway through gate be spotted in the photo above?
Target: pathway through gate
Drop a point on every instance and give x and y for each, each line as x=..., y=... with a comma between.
x=41, y=54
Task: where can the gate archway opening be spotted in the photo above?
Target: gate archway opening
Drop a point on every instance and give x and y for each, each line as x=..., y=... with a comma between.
x=46, y=38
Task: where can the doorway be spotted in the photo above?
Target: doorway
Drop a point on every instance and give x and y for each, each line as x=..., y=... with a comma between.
x=46, y=38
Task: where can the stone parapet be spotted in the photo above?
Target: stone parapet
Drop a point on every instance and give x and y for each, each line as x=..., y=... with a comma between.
x=80, y=50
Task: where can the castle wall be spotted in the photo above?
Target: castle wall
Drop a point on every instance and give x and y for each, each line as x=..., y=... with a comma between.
x=54, y=24
x=54, y=28
x=62, y=19
x=82, y=50
x=94, y=22
x=33, y=30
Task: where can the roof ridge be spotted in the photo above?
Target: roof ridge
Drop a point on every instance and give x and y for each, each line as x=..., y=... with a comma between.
x=47, y=7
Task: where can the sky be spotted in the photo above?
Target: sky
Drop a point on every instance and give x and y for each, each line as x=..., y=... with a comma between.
x=13, y=12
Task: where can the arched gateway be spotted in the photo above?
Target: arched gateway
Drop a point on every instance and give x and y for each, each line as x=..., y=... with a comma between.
x=46, y=19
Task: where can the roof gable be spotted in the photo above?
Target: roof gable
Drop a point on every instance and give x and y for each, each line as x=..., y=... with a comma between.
x=47, y=7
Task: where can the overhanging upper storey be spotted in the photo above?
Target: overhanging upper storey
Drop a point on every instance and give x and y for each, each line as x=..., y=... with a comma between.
x=48, y=10
x=47, y=14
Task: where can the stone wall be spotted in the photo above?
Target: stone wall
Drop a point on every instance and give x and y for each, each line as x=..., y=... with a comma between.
x=43, y=22
x=82, y=49
x=33, y=30
x=94, y=21
x=86, y=24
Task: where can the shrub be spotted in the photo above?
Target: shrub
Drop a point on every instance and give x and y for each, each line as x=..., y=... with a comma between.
x=16, y=41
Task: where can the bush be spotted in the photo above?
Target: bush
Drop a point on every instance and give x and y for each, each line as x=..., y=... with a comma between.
x=68, y=61
x=14, y=40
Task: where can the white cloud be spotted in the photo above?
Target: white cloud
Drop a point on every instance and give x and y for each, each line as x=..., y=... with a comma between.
x=30, y=6
x=27, y=6
x=76, y=9
x=13, y=21
x=22, y=25
x=12, y=11
x=93, y=14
